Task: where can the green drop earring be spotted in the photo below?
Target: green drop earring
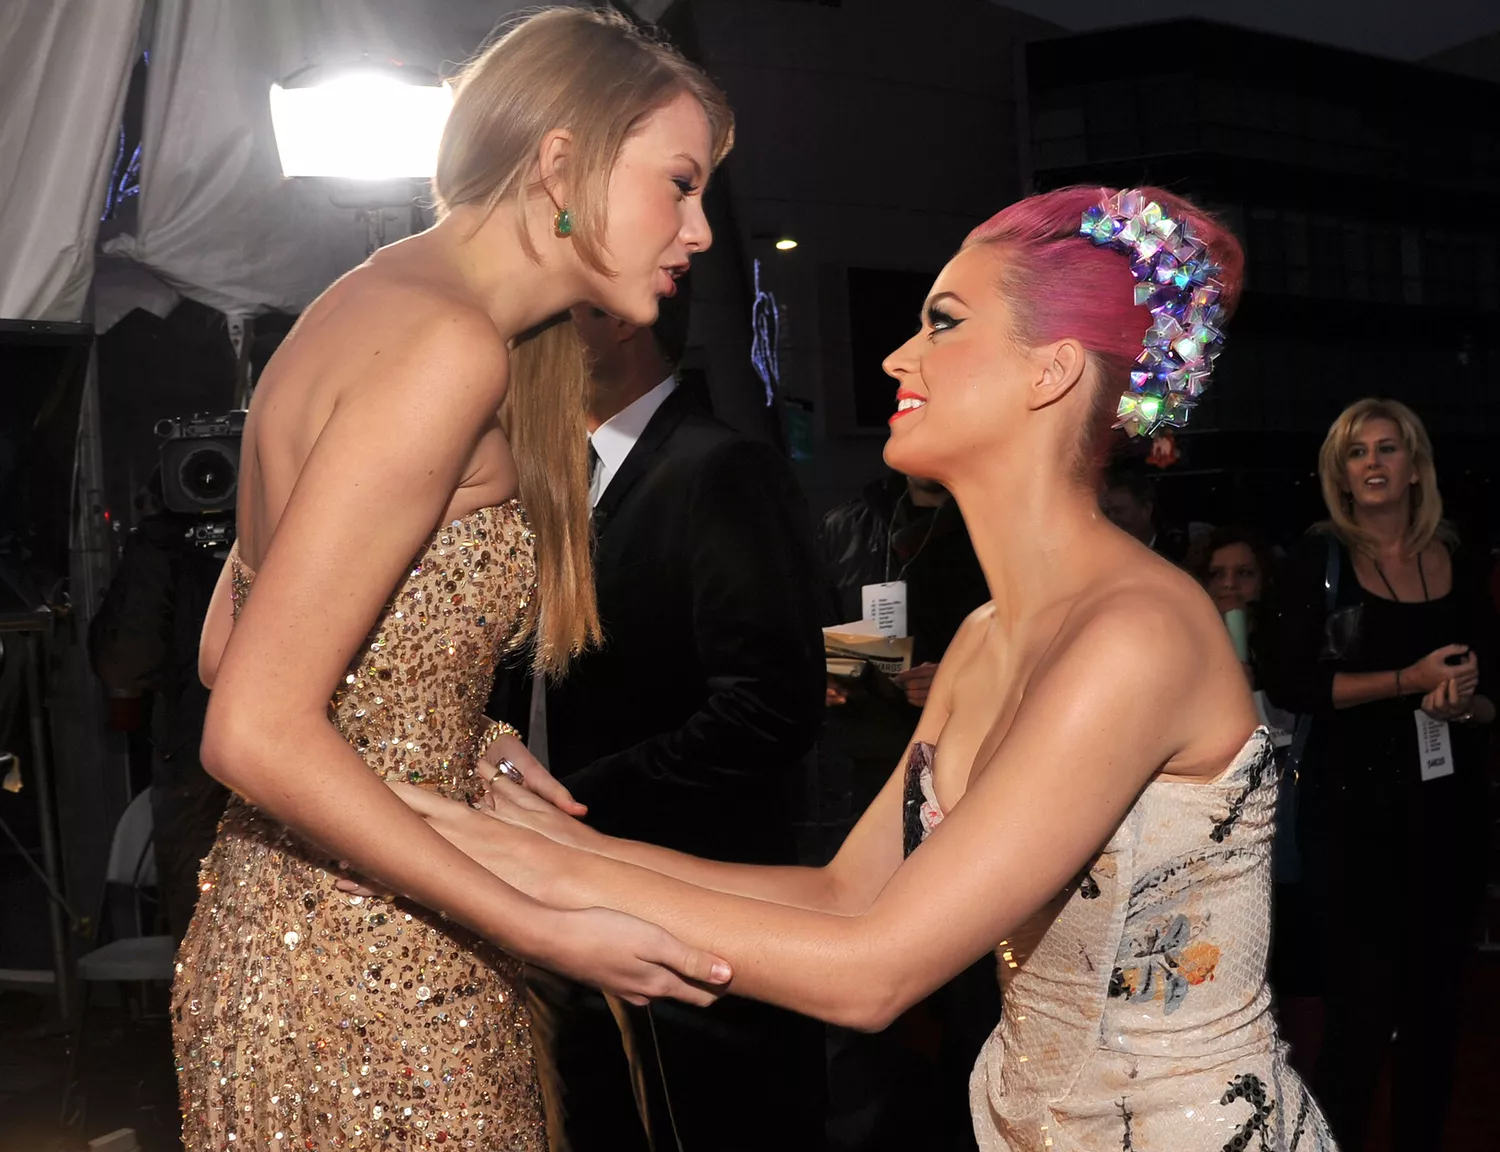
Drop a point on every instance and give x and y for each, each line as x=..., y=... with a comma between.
x=562, y=223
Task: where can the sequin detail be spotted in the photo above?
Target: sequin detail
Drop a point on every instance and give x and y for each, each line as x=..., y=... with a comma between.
x=304, y=1018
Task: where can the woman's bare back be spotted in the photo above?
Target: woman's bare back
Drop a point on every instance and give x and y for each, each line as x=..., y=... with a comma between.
x=369, y=314
x=361, y=324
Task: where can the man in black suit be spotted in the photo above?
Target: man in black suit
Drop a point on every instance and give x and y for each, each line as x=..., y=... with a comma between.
x=690, y=728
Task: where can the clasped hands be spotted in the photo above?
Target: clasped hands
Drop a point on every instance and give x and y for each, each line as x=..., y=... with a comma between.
x=525, y=835
x=1448, y=689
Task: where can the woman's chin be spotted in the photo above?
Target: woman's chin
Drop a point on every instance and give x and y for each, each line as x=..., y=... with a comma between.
x=899, y=454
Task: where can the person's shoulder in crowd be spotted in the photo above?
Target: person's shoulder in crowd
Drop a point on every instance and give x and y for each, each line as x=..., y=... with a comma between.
x=877, y=501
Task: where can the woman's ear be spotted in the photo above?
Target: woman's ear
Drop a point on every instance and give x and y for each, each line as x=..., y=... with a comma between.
x=552, y=162
x=1061, y=366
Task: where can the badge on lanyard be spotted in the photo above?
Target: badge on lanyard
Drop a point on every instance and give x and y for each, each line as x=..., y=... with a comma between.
x=1434, y=748
x=884, y=605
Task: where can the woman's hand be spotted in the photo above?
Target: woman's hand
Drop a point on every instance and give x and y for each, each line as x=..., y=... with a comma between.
x=538, y=779
x=1448, y=702
x=630, y=958
x=636, y=961
x=1431, y=672
x=522, y=808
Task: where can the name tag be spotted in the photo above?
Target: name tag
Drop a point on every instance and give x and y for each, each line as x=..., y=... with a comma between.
x=1434, y=748
x=885, y=607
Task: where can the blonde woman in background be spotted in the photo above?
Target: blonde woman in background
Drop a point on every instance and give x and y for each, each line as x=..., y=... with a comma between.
x=414, y=499
x=1394, y=668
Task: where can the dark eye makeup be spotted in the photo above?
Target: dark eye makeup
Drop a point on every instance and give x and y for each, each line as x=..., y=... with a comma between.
x=940, y=321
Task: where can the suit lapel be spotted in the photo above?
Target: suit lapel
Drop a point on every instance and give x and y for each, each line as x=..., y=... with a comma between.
x=658, y=429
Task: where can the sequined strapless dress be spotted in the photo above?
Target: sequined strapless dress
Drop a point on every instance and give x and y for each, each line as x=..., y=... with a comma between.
x=1136, y=1011
x=305, y=1018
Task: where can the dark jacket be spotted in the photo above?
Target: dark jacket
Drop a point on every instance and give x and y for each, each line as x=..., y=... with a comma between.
x=942, y=574
x=690, y=726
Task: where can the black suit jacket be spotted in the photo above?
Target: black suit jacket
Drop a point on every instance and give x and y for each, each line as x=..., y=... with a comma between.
x=689, y=728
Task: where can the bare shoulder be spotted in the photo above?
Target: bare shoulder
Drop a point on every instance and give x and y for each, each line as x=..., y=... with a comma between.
x=971, y=633
x=1156, y=602
x=413, y=318
x=377, y=327
x=1150, y=633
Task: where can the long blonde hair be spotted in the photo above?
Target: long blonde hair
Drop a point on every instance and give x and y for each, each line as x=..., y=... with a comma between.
x=1426, y=503
x=594, y=74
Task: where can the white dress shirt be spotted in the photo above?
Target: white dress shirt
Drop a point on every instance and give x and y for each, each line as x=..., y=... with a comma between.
x=612, y=442
x=614, y=439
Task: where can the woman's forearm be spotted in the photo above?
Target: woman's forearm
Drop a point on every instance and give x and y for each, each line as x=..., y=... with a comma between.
x=818, y=963
x=815, y=889
x=1351, y=689
x=307, y=777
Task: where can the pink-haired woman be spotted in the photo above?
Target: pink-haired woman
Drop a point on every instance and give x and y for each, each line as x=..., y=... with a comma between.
x=1088, y=793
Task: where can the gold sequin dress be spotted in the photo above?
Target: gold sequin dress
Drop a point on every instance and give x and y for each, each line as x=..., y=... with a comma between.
x=305, y=1018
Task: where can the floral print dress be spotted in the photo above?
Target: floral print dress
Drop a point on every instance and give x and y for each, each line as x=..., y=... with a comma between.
x=1136, y=1009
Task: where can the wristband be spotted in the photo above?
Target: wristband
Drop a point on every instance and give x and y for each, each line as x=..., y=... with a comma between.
x=497, y=729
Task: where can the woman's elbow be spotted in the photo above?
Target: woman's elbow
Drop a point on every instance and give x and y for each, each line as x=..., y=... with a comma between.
x=871, y=1003
x=231, y=743
x=869, y=1013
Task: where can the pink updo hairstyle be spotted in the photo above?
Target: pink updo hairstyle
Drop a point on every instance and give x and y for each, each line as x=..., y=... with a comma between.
x=1059, y=284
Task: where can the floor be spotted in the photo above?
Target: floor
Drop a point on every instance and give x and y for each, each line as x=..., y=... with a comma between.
x=125, y=1075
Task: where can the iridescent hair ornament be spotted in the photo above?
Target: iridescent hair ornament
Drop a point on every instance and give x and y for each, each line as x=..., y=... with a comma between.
x=1178, y=282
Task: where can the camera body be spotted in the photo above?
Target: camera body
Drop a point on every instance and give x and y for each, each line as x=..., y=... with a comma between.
x=200, y=462
x=200, y=474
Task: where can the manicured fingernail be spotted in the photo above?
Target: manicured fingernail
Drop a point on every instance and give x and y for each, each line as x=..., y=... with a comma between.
x=720, y=973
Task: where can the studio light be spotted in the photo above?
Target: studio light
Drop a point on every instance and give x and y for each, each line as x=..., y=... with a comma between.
x=368, y=122
x=785, y=244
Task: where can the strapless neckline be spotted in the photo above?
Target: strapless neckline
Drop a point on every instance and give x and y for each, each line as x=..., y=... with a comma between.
x=511, y=504
x=921, y=811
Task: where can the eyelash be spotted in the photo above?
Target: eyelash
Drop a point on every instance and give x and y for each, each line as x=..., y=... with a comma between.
x=940, y=321
x=685, y=187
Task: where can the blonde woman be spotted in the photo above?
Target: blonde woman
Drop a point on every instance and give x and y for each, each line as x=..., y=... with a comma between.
x=1393, y=664
x=413, y=500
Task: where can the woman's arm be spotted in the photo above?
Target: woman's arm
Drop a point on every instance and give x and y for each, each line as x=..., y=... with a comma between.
x=846, y=886
x=1078, y=753
x=354, y=521
x=1292, y=672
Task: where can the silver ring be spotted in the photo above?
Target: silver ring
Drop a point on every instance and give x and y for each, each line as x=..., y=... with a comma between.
x=511, y=772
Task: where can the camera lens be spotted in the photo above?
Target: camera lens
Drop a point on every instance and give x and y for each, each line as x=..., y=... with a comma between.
x=207, y=475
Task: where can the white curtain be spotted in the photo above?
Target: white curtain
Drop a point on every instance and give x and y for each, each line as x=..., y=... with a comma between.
x=64, y=69
x=216, y=220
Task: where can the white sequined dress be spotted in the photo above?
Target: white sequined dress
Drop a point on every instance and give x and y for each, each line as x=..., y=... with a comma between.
x=1136, y=1011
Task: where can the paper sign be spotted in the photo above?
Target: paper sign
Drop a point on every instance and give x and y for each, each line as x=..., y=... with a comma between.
x=860, y=642
x=1279, y=722
x=885, y=606
x=1434, y=749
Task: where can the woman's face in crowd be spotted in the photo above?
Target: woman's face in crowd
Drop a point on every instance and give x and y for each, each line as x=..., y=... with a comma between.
x=1378, y=469
x=1234, y=576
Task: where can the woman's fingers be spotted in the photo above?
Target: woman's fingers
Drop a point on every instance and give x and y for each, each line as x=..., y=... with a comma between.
x=538, y=780
x=542, y=783
x=425, y=802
